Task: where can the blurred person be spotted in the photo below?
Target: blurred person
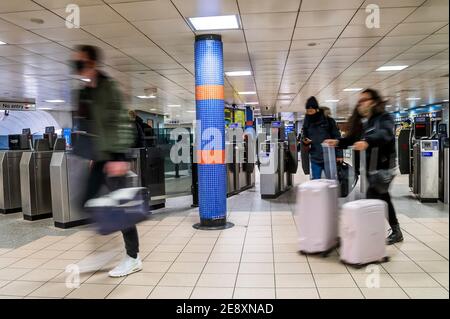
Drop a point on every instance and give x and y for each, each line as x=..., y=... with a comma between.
x=100, y=105
x=317, y=128
x=143, y=130
x=326, y=111
x=372, y=130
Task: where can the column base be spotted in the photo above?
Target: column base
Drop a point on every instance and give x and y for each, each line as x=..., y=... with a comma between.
x=213, y=224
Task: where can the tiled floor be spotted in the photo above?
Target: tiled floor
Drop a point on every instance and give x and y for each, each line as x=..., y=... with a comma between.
x=255, y=259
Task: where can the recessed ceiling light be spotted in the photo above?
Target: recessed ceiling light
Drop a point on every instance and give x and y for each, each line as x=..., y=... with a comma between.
x=238, y=73
x=146, y=96
x=86, y=80
x=252, y=103
x=1, y=43
x=215, y=23
x=152, y=109
x=392, y=68
x=353, y=89
x=332, y=101
x=190, y=111
x=44, y=108
x=54, y=101
x=444, y=100
x=413, y=98
x=247, y=93
x=173, y=105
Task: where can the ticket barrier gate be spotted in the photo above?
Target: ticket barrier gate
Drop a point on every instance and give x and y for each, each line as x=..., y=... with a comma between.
x=68, y=177
x=35, y=183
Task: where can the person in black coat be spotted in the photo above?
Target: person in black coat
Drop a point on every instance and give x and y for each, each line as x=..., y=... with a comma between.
x=372, y=130
x=318, y=127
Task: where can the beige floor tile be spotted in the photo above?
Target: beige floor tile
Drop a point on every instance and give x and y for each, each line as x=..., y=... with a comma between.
x=63, y=276
x=20, y=288
x=340, y=293
x=40, y=275
x=7, y=261
x=46, y=254
x=192, y=257
x=257, y=248
x=294, y=281
x=396, y=267
x=179, y=280
x=60, y=264
x=161, y=292
x=367, y=269
x=441, y=278
x=154, y=256
x=130, y=292
x=328, y=268
x=289, y=257
x=212, y=293
x=334, y=281
x=372, y=280
x=221, y=268
x=297, y=293
x=225, y=257
x=285, y=248
x=143, y=279
x=384, y=293
x=91, y=291
x=4, y=283
x=18, y=253
x=427, y=293
x=256, y=268
x=203, y=241
x=434, y=266
x=292, y=268
x=102, y=278
x=255, y=281
x=217, y=280
x=10, y=297
x=198, y=249
x=422, y=280
x=257, y=258
x=258, y=241
x=186, y=267
x=74, y=254
x=4, y=251
x=168, y=248
x=227, y=248
x=52, y=290
x=424, y=256
x=61, y=246
x=156, y=266
x=254, y=293
x=28, y=263
x=12, y=273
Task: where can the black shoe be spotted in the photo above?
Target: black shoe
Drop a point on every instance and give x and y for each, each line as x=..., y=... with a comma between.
x=396, y=235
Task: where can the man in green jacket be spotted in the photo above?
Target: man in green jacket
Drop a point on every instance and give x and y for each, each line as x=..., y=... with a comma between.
x=102, y=116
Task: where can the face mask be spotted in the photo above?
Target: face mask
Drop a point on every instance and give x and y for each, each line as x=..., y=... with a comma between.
x=78, y=66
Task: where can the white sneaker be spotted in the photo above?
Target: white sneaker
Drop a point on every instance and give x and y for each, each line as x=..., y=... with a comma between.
x=126, y=267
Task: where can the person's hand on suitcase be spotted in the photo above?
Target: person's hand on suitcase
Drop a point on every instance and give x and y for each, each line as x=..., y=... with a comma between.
x=360, y=146
x=307, y=141
x=117, y=168
x=331, y=143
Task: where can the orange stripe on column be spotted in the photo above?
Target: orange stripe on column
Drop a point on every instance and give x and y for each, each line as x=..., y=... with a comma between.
x=209, y=92
x=210, y=157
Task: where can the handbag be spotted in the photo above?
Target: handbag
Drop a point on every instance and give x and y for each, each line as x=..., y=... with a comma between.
x=119, y=210
x=379, y=179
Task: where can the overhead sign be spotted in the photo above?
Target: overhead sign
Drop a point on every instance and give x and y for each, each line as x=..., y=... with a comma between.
x=29, y=105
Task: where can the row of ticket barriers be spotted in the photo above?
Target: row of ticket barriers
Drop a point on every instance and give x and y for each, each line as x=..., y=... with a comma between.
x=45, y=180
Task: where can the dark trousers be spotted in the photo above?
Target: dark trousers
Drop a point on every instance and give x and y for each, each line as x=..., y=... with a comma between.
x=374, y=194
x=96, y=180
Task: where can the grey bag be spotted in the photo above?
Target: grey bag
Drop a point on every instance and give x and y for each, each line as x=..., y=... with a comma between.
x=380, y=179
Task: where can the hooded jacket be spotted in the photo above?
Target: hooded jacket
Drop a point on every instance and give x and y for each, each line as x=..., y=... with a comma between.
x=318, y=128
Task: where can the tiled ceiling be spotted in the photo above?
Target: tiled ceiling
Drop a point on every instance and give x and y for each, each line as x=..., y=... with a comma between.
x=295, y=49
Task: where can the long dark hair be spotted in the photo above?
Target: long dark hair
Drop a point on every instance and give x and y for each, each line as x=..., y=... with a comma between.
x=355, y=120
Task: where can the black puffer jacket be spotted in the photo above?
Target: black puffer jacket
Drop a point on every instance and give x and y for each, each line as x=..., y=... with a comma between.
x=378, y=132
x=319, y=128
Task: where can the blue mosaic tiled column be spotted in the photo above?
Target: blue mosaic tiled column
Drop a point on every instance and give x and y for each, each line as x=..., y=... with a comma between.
x=209, y=95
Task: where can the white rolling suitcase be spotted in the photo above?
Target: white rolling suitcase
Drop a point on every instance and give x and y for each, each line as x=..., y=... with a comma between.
x=362, y=232
x=317, y=216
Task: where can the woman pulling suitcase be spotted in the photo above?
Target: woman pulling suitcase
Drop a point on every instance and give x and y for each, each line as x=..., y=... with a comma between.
x=372, y=130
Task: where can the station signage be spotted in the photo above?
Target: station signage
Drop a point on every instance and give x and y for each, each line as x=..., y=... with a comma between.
x=29, y=105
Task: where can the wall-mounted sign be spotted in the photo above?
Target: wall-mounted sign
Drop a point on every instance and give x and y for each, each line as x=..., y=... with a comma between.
x=29, y=105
